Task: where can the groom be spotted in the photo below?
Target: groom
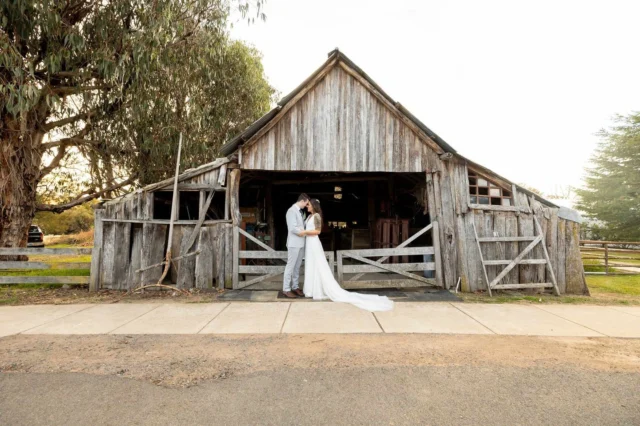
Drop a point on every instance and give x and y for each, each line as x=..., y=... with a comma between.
x=295, y=247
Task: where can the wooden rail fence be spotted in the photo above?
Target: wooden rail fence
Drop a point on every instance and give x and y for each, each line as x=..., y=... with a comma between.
x=29, y=265
x=265, y=272
x=613, y=255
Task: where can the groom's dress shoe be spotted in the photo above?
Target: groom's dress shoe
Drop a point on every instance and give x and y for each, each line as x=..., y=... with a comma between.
x=299, y=292
x=290, y=294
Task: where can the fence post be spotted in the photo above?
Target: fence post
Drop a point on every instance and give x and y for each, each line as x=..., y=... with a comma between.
x=606, y=259
x=236, y=254
x=331, y=260
x=435, y=231
x=339, y=262
x=96, y=253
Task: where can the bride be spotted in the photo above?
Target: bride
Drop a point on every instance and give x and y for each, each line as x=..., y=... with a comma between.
x=318, y=279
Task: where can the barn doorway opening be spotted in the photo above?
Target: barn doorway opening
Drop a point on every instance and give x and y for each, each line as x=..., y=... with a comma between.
x=361, y=211
x=355, y=206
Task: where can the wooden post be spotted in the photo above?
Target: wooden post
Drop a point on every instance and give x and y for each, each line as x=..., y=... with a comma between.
x=340, y=274
x=175, y=209
x=371, y=207
x=234, y=207
x=234, y=196
x=201, y=199
x=236, y=257
x=228, y=258
x=331, y=261
x=96, y=254
x=227, y=196
x=147, y=212
x=435, y=231
x=269, y=207
x=606, y=259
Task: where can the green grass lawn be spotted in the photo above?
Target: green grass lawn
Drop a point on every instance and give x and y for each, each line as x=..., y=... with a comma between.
x=614, y=284
x=605, y=290
x=46, y=273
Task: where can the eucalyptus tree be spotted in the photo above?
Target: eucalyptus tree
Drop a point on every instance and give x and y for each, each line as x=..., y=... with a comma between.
x=93, y=94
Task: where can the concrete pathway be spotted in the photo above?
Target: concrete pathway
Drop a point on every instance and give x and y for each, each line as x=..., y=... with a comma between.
x=322, y=317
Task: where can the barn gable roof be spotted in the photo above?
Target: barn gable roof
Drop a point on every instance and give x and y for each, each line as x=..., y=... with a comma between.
x=335, y=56
x=264, y=122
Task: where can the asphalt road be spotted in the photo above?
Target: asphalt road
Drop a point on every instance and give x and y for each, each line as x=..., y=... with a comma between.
x=447, y=395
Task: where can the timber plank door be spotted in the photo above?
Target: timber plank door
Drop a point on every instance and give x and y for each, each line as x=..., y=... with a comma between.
x=381, y=273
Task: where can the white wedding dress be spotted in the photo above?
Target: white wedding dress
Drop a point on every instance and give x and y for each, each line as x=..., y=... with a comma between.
x=320, y=284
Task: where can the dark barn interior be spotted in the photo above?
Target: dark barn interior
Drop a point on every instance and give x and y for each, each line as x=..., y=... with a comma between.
x=360, y=210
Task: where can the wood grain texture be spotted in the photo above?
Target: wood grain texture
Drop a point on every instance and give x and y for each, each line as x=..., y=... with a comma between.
x=574, y=271
x=525, y=229
x=108, y=254
x=339, y=115
x=187, y=271
x=96, y=254
x=228, y=258
x=135, y=262
x=121, y=256
x=561, y=254
x=153, y=250
x=234, y=200
x=204, y=262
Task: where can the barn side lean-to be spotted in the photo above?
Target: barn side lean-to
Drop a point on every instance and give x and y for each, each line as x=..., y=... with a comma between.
x=401, y=207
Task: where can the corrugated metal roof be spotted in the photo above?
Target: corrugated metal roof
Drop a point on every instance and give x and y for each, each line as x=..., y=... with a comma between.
x=234, y=143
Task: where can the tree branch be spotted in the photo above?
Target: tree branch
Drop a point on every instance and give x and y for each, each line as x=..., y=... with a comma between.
x=83, y=75
x=72, y=141
x=82, y=116
x=62, y=151
x=71, y=90
x=59, y=208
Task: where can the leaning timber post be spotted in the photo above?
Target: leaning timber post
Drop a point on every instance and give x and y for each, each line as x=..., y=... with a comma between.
x=175, y=209
x=96, y=253
x=236, y=218
x=606, y=259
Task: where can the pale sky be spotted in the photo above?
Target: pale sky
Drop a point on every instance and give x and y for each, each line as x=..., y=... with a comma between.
x=519, y=87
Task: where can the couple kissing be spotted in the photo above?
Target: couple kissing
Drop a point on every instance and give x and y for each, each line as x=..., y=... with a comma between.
x=319, y=283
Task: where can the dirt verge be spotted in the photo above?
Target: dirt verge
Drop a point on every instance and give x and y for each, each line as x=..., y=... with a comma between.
x=184, y=361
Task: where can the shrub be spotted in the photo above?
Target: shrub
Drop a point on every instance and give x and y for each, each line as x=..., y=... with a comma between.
x=72, y=221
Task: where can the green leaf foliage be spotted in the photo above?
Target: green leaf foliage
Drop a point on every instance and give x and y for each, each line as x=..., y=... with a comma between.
x=612, y=193
x=72, y=221
x=116, y=81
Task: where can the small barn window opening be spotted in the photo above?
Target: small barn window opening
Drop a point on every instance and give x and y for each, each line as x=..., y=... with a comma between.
x=484, y=191
x=216, y=208
x=189, y=205
x=162, y=204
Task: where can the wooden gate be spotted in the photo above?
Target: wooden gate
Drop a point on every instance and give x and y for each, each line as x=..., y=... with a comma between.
x=533, y=240
x=392, y=274
x=264, y=272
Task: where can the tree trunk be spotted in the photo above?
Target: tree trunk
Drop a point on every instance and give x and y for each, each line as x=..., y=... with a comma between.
x=20, y=158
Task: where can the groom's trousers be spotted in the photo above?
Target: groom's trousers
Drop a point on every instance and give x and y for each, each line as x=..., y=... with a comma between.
x=292, y=270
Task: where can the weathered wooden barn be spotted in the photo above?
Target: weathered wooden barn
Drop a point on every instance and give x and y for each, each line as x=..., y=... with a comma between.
x=401, y=207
